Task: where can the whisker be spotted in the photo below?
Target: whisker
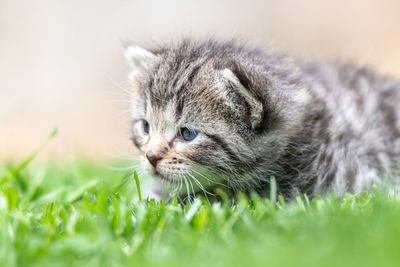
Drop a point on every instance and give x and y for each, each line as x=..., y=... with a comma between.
x=202, y=188
x=187, y=188
x=191, y=185
x=209, y=180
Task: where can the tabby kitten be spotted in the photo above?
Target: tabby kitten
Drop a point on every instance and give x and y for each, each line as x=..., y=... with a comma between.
x=212, y=114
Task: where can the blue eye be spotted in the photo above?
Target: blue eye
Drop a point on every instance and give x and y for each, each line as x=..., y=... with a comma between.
x=146, y=127
x=188, y=134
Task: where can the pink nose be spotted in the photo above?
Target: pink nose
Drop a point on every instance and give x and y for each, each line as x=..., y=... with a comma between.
x=154, y=157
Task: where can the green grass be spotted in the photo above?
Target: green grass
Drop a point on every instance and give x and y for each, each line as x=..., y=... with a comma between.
x=84, y=214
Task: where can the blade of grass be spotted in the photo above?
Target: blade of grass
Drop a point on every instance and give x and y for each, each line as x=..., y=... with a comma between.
x=12, y=173
x=192, y=210
x=273, y=190
x=135, y=176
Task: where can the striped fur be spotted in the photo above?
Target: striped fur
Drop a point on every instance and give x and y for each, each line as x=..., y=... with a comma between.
x=315, y=127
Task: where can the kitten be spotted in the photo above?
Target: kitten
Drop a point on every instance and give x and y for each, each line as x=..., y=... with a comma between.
x=213, y=114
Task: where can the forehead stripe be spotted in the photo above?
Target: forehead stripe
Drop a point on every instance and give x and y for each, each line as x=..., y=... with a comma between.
x=178, y=109
x=220, y=141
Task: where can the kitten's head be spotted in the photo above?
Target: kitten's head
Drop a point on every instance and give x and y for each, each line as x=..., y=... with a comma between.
x=212, y=114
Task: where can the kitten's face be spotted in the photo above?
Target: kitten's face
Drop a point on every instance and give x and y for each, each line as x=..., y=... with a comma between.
x=184, y=138
x=197, y=126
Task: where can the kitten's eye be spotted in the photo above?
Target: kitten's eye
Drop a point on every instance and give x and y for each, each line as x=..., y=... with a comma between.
x=188, y=134
x=146, y=127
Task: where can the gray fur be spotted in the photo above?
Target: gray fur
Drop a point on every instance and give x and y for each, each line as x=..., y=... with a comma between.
x=315, y=127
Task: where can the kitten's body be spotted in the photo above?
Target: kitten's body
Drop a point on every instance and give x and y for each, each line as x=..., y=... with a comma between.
x=350, y=135
x=314, y=127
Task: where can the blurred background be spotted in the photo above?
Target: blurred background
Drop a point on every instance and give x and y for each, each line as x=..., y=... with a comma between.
x=61, y=62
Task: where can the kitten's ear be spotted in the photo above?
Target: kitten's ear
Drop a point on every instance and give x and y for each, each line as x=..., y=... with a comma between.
x=256, y=107
x=138, y=57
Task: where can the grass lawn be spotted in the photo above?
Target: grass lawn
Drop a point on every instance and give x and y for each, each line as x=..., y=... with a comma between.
x=82, y=213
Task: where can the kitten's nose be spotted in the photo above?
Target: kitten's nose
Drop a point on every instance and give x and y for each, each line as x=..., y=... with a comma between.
x=157, y=148
x=154, y=157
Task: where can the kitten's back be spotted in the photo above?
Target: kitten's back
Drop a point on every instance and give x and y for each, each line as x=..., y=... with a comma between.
x=361, y=115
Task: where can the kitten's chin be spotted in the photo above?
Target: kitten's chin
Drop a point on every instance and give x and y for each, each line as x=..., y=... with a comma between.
x=163, y=178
